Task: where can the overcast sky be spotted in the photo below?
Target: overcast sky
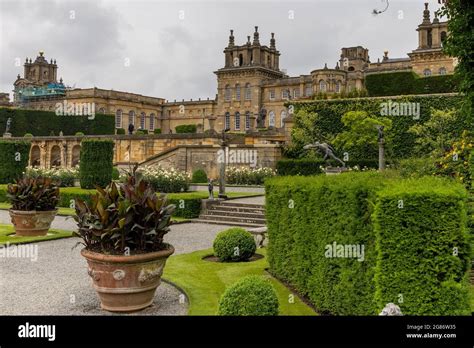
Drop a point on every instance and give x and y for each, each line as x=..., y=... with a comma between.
x=170, y=49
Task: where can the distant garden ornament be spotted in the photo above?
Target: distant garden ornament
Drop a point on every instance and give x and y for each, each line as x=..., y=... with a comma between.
x=391, y=309
x=326, y=149
x=7, y=128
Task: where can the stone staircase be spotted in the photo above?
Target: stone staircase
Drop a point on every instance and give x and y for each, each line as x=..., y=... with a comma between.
x=234, y=214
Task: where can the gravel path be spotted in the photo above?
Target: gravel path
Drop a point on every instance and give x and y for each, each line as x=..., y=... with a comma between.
x=57, y=282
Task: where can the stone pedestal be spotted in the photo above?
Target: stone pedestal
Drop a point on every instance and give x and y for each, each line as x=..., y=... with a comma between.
x=335, y=170
x=7, y=135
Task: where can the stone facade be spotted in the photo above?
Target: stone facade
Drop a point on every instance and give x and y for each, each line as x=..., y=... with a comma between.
x=252, y=91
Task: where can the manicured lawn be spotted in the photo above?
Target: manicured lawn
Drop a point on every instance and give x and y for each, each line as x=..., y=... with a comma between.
x=6, y=232
x=61, y=211
x=204, y=282
x=471, y=292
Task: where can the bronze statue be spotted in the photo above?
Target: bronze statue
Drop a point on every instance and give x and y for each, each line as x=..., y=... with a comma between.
x=326, y=149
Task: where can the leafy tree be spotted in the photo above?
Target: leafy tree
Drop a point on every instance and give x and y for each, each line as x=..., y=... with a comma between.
x=436, y=135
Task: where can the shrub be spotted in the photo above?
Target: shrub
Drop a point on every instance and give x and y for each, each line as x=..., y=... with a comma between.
x=44, y=123
x=28, y=135
x=416, y=167
x=423, y=252
x=199, y=176
x=115, y=173
x=67, y=196
x=95, y=166
x=120, y=131
x=250, y=296
x=248, y=176
x=29, y=194
x=79, y=134
x=186, y=128
x=188, y=205
x=308, y=167
x=14, y=157
x=234, y=244
x=157, y=131
x=141, y=132
x=63, y=177
x=165, y=180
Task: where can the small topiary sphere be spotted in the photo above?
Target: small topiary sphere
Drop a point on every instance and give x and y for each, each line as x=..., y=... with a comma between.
x=252, y=295
x=199, y=176
x=234, y=244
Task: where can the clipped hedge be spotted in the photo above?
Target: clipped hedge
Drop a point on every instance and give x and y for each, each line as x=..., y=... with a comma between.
x=14, y=157
x=45, y=123
x=96, y=163
x=252, y=295
x=423, y=252
x=307, y=167
x=120, y=131
x=310, y=218
x=234, y=244
x=402, y=142
x=199, y=176
x=407, y=82
x=186, y=128
x=157, y=131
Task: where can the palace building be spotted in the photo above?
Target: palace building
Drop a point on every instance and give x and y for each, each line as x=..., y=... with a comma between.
x=252, y=91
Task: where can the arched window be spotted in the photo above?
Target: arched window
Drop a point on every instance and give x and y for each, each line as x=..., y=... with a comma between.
x=271, y=119
x=76, y=155
x=247, y=120
x=35, y=156
x=322, y=86
x=282, y=118
x=142, y=120
x=442, y=71
x=227, y=121
x=237, y=92
x=227, y=93
x=118, y=119
x=351, y=68
x=237, y=120
x=427, y=72
x=152, y=122
x=338, y=86
x=248, y=92
x=101, y=111
x=131, y=117
x=55, y=157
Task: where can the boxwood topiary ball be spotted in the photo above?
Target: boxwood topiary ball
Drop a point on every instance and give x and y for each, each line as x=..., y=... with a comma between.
x=252, y=295
x=234, y=244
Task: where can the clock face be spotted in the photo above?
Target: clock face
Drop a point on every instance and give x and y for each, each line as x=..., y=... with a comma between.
x=236, y=61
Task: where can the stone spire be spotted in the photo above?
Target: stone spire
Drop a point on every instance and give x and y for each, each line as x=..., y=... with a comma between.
x=436, y=19
x=325, y=65
x=272, y=41
x=426, y=15
x=231, y=38
x=255, y=37
x=337, y=66
x=248, y=40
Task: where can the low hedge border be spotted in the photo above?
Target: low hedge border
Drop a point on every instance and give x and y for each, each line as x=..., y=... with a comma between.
x=306, y=167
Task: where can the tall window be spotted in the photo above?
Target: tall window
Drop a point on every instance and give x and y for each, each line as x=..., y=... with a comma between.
x=338, y=86
x=284, y=94
x=237, y=92
x=227, y=120
x=308, y=90
x=442, y=71
x=282, y=118
x=322, y=86
x=271, y=119
x=248, y=92
x=427, y=72
x=296, y=93
x=131, y=117
x=142, y=120
x=247, y=120
x=227, y=93
x=272, y=94
x=118, y=119
x=152, y=122
x=237, y=120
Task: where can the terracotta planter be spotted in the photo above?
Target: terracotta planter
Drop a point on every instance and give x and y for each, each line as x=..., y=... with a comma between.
x=32, y=223
x=126, y=283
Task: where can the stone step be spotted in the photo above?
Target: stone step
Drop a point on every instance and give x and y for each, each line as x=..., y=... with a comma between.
x=236, y=214
x=222, y=218
x=242, y=205
x=236, y=209
x=215, y=222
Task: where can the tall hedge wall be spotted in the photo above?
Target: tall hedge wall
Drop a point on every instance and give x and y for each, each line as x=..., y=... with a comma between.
x=423, y=249
x=186, y=128
x=304, y=215
x=96, y=163
x=405, y=83
x=14, y=157
x=307, y=215
x=44, y=123
x=330, y=113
